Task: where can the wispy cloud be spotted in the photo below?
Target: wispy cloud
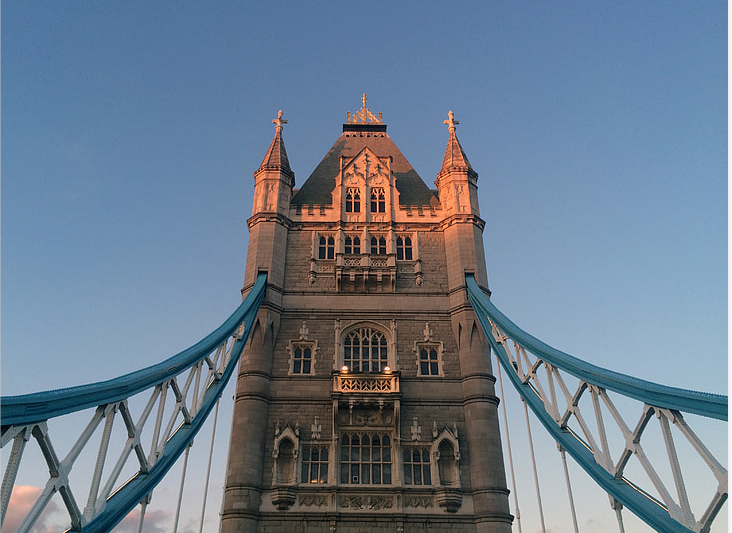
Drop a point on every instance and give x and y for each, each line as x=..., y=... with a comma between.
x=155, y=522
x=21, y=501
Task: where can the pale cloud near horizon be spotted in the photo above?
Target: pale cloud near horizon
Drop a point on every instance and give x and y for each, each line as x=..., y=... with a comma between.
x=23, y=497
x=21, y=501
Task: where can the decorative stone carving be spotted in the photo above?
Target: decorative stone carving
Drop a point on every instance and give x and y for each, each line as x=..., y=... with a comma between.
x=371, y=503
x=283, y=497
x=449, y=499
x=313, y=500
x=419, y=502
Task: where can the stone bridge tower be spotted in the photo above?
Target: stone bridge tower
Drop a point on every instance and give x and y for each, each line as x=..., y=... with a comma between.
x=365, y=397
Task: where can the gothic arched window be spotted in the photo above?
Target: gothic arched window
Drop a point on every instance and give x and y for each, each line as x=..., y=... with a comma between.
x=353, y=245
x=326, y=248
x=404, y=248
x=353, y=200
x=378, y=246
x=365, y=350
x=378, y=200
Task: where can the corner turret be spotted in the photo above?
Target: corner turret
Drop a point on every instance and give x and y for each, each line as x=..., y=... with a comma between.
x=457, y=182
x=274, y=179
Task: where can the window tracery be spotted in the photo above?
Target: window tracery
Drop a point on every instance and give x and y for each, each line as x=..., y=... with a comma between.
x=365, y=350
x=378, y=200
x=353, y=200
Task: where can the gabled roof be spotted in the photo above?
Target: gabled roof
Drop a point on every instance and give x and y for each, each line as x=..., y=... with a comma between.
x=355, y=137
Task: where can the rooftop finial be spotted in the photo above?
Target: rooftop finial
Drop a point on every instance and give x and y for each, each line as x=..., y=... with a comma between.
x=279, y=121
x=451, y=122
x=364, y=116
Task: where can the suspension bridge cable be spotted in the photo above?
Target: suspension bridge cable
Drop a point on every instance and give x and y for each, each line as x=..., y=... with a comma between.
x=180, y=490
x=569, y=487
x=508, y=444
x=618, y=513
x=208, y=468
x=533, y=463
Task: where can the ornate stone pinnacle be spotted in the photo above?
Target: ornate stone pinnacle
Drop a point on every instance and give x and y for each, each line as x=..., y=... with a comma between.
x=451, y=121
x=363, y=116
x=279, y=121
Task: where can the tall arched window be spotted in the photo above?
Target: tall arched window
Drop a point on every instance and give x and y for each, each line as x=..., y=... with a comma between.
x=378, y=200
x=447, y=464
x=326, y=248
x=352, y=245
x=365, y=350
x=378, y=246
x=404, y=248
x=353, y=200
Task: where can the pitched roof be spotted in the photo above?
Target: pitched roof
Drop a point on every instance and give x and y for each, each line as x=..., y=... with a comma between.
x=355, y=137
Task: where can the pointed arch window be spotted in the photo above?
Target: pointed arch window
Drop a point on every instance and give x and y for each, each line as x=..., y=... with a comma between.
x=378, y=200
x=378, y=246
x=326, y=247
x=404, y=248
x=352, y=245
x=365, y=350
x=353, y=200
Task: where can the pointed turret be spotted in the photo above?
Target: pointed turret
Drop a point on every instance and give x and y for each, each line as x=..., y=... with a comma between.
x=276, y=156
x=455, y=158
x=274, y=179
x=457, y=182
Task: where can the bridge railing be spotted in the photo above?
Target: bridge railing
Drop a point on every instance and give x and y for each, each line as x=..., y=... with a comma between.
x=573, y=401
x=168, y=401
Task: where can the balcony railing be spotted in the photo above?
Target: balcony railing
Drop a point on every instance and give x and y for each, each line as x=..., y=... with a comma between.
x=382, y=383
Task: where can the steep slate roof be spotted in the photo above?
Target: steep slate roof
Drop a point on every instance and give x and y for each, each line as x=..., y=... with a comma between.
x=318, y=187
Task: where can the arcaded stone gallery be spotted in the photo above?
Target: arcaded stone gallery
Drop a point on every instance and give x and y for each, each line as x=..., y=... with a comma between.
x=365, y=397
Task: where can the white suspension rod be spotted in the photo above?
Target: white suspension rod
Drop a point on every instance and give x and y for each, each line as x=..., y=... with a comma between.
x=180, y=490
x=533, y=463
x=508, y=444
x=569, y=488
x=208, y=468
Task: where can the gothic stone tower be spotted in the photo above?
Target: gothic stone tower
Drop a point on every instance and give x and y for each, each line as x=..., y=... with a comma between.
x=365, y=397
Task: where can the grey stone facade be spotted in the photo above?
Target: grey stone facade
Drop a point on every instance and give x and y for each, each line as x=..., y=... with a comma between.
x=365, y=398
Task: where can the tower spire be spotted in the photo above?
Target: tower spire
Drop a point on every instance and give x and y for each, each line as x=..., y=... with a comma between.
x=455, y=158
x=276, y=156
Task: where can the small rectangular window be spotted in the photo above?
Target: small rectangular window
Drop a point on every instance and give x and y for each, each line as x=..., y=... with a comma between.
x=417, y=467
x=314, y=465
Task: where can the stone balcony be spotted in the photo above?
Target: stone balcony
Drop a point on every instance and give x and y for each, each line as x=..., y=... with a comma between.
x=360, y=271
x=375, y=383
x=369, y=399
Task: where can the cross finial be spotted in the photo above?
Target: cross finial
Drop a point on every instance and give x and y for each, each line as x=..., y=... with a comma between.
x=451, y=122
x=279, y=121
x=363, y=99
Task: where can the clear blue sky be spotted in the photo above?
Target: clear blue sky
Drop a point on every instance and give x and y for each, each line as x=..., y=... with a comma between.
x=130, y=132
